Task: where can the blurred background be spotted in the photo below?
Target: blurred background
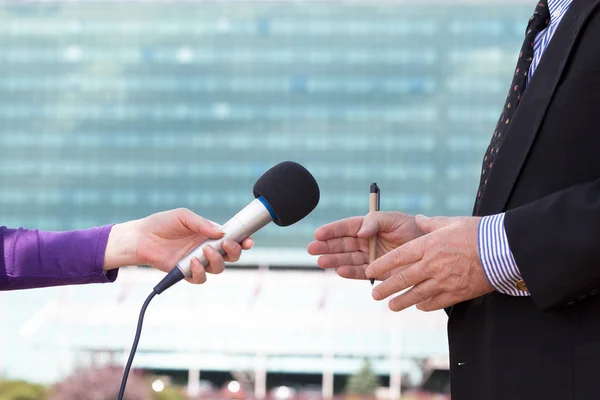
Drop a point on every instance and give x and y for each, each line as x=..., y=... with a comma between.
x=113, y=110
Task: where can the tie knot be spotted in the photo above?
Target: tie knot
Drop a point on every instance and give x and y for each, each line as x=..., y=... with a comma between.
x=541, y=16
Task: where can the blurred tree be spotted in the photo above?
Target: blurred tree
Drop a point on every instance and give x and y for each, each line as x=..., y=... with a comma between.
x=20, y=390
x=364, y=382
x=101, y=384
x=169, y=393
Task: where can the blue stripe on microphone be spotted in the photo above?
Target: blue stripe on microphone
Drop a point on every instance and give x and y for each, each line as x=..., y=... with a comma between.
x=268, y=207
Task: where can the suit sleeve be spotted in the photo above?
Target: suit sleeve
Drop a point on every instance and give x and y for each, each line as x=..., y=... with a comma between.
x=33, y=259
x=556, y=244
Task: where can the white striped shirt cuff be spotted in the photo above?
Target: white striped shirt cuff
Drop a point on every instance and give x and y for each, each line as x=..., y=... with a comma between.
x=497, y=260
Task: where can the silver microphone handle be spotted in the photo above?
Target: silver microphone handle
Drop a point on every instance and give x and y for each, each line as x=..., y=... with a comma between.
x=241, y=226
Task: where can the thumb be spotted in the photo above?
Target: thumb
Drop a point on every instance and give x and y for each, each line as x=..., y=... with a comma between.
x=370, y=226
x=201, y=225
x=430, y=224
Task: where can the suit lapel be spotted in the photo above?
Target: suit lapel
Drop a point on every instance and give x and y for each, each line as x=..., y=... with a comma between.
x=533, y=107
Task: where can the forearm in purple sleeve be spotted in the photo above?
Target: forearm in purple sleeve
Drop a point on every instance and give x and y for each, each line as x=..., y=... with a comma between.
x=33, y=259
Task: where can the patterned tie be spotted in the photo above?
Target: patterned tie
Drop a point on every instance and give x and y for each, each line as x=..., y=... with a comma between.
x=537, y=23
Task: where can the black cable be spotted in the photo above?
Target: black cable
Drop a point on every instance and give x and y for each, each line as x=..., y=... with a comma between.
x=169, y=280
x=135, y=344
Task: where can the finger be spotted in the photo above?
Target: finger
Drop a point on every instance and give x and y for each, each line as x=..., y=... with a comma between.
x=355, y=272
x=196, y=223
x=438, y=302
x=418, y=294
x=215, y=224
x=341, y=228
x=402, y=256
x=198, y=272
x=356, y=258
x=352, y=271
x=429, y=225
x=397, y=282
x=382, y=221
x=316, y=248
x=216, y=263
x=247, y=244
x=334, y=246
x=233, y=251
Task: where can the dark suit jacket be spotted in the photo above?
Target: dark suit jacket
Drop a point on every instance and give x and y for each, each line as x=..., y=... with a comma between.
x=547, y=179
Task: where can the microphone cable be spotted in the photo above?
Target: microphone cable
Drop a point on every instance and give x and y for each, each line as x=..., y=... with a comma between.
x=135, y=345
x=172, y=278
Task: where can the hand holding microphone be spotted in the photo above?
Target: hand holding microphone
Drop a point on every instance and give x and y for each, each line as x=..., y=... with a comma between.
x=285, y=194
x=161, y=239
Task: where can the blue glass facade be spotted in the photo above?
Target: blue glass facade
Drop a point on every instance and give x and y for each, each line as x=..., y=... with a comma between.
x=111, y=111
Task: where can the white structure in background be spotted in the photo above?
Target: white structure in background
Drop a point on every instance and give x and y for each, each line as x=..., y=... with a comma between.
x=247, y=321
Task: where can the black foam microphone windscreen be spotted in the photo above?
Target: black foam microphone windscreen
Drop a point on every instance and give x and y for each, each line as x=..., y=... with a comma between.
x=291, y=191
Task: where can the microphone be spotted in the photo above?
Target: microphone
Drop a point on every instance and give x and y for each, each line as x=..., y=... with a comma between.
x=284, y=194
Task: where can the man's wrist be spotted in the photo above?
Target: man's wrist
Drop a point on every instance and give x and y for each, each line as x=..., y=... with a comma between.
x=496, y=257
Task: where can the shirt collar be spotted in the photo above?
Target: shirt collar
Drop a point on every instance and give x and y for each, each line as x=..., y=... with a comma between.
x=557, y=7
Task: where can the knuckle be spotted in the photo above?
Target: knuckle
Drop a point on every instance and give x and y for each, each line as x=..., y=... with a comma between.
x=400, y=279
x=437, y=304
x=430, y=242
x=199, y=277
x=183, y=211
x=345, y=244
x=397, y=257
x=436, y=270
x=214, y=256
x=418, y=294
x=357, y=258
x=215, y=265
x=444, y=274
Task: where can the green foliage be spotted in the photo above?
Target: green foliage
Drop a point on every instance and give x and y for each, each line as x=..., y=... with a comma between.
x=20, y=390
x=89, y=384
x=364, y=382
x=169, y=393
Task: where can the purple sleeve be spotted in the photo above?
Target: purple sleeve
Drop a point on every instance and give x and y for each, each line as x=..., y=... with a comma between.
x=33, y=259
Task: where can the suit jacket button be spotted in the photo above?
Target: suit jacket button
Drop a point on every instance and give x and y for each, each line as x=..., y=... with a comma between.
x=582, y=297
x=594, y=292
x=520, y=285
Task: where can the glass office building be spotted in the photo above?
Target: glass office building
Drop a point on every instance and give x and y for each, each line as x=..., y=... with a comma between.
x=113, y=110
